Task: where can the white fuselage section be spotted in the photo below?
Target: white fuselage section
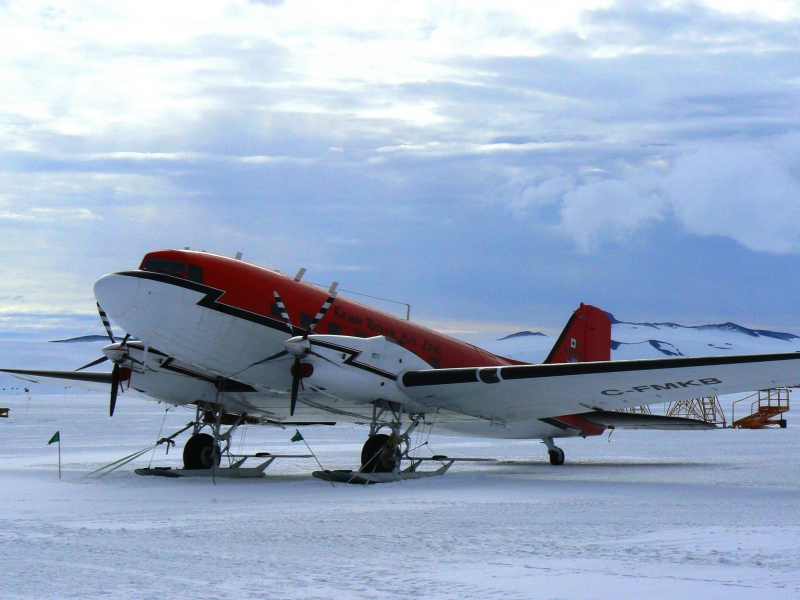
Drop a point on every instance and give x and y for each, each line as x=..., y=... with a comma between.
x=349, y=374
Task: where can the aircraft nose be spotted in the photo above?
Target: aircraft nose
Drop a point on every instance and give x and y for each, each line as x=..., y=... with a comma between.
x=116, y=294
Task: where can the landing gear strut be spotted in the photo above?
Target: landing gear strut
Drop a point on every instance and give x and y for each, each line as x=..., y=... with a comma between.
x=382, y=453
x=202, y=450
x=556, y=454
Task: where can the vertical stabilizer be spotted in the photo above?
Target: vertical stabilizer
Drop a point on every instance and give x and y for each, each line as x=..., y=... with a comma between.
x=586, y=338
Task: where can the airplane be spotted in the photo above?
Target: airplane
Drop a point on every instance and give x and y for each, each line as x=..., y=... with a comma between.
x=243, y=343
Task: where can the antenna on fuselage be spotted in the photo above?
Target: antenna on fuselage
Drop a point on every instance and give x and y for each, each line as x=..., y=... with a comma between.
x=238, y=256
x=300, y=274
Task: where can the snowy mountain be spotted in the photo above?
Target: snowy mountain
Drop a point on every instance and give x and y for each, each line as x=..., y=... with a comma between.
x=658, y=340
x=521, y=334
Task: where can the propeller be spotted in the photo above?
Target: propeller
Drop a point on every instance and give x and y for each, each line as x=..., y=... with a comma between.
x=299, y=346
x=117, y=354
x=107, y=325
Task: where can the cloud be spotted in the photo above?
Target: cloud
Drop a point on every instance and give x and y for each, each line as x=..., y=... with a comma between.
x=48, y=214
x=738, y=191
x=517, y=147
x=609, y=210
x=723, y=188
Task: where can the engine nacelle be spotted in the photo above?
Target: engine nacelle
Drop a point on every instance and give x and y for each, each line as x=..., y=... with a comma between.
x=362, y=369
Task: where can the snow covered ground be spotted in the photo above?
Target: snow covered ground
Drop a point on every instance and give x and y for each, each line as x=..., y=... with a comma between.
x=646, y=514
x=650, y=514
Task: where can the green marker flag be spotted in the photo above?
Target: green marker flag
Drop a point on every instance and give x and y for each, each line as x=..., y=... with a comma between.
x=299, y=438
x=57, y=438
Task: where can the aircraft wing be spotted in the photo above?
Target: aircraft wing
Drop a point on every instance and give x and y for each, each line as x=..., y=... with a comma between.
x=522, y=392
x=86, y=380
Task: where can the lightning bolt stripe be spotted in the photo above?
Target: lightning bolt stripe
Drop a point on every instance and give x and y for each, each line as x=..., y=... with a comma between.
x=211, y=301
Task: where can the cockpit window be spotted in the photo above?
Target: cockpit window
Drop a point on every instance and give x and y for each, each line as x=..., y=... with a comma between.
x=171, y=267
x=195, y=273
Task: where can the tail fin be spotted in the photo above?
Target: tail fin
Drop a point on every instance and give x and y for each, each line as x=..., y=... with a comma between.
x=587, y=337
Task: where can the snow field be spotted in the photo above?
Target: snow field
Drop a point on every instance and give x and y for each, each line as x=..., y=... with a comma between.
x=650, y=514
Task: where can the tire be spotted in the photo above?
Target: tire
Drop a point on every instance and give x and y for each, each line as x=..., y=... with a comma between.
x=556, y=457
x=376, y=457
x=198, y=451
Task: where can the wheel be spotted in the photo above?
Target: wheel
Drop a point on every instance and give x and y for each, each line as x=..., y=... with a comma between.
x=376, y=457
x=198, y=452
x=556, y=457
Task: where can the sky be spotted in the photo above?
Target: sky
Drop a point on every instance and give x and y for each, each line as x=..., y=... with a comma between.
x=493, y=164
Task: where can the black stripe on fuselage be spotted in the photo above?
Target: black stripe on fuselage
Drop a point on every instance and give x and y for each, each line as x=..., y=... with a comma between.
x=440, y=377
x=139, y=345
x=352, y=359
x=223, y=385
x=211, y=301
x=451, y=376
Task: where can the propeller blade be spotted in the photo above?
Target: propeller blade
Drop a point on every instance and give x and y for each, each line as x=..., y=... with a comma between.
x=114, y=389
x=296, y=373
x=93, y=363
x=106, y=323
x=270, y=358
x=282, y=308
x=322, y=310
x=125, y=339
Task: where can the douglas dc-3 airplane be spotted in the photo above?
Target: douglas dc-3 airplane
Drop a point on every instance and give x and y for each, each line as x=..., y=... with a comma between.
x=243, y=343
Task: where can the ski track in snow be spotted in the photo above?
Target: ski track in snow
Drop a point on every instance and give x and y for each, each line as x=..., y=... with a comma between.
x=650, y=514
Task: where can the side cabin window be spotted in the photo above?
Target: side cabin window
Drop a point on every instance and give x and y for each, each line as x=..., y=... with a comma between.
x=175, y=268
x=194, y=273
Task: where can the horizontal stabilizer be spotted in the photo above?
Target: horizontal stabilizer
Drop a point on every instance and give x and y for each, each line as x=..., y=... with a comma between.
x=623, y=420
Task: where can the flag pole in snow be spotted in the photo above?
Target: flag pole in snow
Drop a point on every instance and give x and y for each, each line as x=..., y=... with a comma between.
x=297, y=437
x=57, y=438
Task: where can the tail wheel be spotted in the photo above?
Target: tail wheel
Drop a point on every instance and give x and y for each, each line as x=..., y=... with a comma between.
x=198, y=453
x=556, y=457
x=377, y=456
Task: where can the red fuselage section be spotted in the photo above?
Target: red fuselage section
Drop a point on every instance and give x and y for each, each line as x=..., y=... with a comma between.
x=251, y=288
